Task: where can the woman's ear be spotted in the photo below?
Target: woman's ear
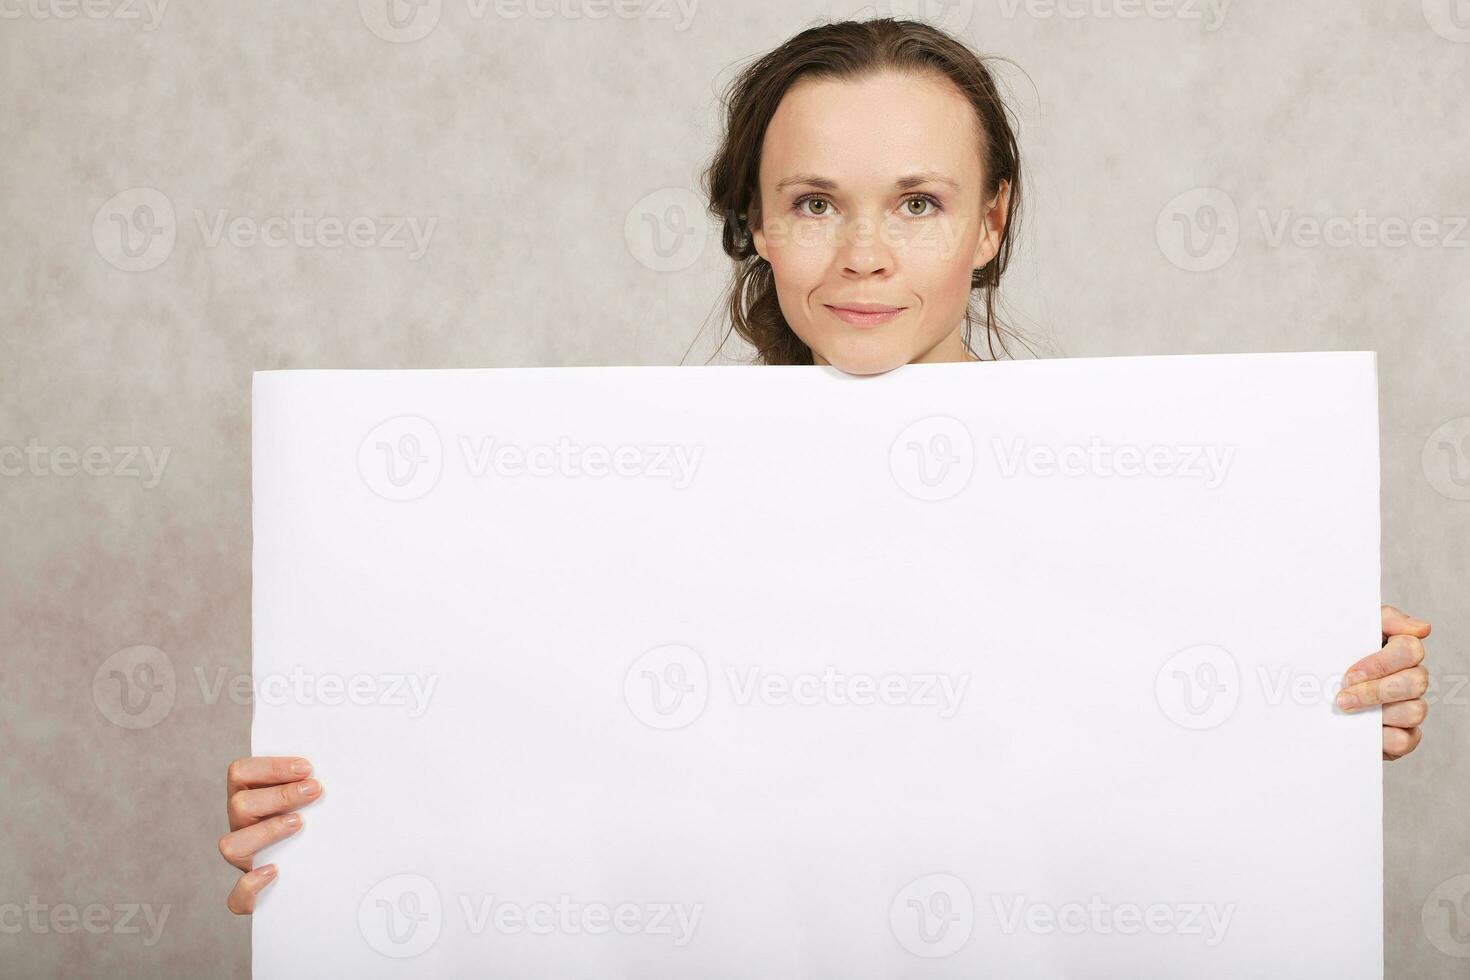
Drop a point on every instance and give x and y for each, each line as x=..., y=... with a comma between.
x=992, y=226
x=757, y=236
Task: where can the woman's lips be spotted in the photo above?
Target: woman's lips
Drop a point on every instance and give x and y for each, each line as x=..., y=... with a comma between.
x=866, y=315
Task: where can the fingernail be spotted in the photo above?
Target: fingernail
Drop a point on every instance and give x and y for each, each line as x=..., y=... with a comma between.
x=293, y=820
x=266, y=870
x=1346, y=701
x=1356, y=677
x=310, y=788
x=1417, y=624
x=301, y=767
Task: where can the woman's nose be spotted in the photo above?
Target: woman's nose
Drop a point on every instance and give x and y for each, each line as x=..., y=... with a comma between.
x=865, y=247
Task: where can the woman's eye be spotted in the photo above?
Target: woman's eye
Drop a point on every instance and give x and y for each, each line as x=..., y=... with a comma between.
x=922, y=199
x=921, y=206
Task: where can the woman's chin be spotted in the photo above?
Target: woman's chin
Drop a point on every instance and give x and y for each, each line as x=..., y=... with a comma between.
x=866, y=359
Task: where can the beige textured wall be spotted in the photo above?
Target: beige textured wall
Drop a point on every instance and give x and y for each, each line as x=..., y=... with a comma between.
x=535, y=156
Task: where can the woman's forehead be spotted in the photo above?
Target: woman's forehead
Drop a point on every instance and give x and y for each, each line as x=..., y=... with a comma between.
x=872, y=130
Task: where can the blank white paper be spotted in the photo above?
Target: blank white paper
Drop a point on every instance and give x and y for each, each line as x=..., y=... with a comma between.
x=1005, y=670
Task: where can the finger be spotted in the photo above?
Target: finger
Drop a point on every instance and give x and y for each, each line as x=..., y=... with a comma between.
x=264, y=770
x=241, y=900
x=239, y=846
x=250, y=805
x=1399, y=742
x=1396, y=621
x=1406, y=714
x=1399, y=653
x=1402, y=686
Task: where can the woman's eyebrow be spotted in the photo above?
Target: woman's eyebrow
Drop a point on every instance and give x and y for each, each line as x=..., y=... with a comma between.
x=903, y=183
x=926, y=177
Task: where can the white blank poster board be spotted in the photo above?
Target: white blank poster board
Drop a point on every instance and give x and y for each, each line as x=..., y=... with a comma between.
x=1001, y=670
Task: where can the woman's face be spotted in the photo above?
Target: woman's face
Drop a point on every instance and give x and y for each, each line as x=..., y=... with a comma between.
x=870, y=197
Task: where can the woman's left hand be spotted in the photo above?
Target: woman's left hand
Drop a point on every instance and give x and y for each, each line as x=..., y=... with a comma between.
x=1394, y=678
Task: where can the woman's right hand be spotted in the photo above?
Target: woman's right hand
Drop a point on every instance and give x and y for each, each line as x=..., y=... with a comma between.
x=263, y=793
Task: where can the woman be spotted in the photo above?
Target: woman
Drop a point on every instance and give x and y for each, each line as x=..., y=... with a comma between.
x=869, y=182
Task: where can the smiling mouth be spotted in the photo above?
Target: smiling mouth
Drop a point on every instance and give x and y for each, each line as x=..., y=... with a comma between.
x=864, y=314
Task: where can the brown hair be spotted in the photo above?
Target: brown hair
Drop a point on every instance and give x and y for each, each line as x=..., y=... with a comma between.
x=846, y=50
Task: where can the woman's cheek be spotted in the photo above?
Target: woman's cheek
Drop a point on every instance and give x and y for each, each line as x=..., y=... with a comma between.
x=959, y=258
x=953, y=244
x=798, y=271
x=941, y=276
